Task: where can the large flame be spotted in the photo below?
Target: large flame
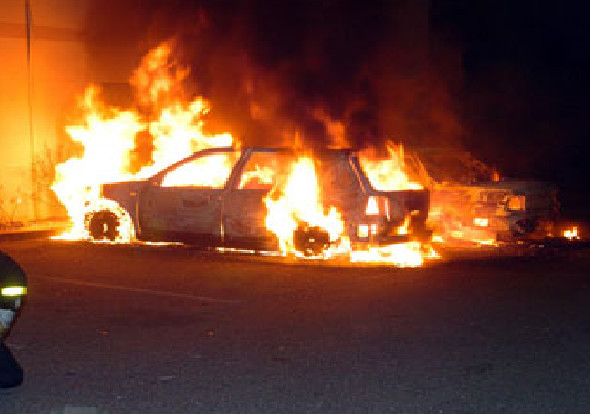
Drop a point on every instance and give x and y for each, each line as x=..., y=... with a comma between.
x=299, y=203
x=296, y=207
x=111, y=139
x=571, y=233
x=108, y=136
x=387, y=174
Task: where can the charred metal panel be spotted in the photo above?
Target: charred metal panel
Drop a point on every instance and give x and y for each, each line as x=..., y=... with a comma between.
x=237, y=212
x=468, y=198
x=125, y=194
x=339, y=184
x=244, y=214
x=193, y=212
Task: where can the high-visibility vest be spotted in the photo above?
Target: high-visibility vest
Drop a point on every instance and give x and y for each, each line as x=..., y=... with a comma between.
x=13, y=290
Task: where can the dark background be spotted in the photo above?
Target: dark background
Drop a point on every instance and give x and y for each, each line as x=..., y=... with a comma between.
x=524, y=98
x=506, y=80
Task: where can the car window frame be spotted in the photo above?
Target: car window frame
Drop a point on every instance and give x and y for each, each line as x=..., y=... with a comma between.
x=246, y=157
x=156, y=180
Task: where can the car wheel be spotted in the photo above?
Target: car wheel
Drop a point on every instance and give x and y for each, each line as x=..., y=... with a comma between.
x=104, y=225
x=311, y=241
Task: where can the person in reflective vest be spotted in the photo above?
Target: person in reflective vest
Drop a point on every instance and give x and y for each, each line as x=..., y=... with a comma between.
x=13, y=290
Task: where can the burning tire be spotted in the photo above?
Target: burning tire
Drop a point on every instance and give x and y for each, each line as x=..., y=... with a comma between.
x=104, y=225
x=311, y=241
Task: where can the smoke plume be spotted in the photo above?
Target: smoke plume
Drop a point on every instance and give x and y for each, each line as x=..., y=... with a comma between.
x=330, y=73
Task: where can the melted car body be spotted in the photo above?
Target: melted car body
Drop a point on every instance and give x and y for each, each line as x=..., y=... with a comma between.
x=176, y=204
x=469, y=201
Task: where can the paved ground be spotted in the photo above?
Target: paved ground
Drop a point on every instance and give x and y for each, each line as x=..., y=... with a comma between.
x=137, y=329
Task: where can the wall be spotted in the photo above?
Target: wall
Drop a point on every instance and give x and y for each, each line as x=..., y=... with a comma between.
x=59, y=72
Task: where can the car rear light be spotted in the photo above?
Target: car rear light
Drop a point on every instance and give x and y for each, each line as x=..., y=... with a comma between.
x=377, y=206
x=363, y=231
x=372, y=206
x=515, y=203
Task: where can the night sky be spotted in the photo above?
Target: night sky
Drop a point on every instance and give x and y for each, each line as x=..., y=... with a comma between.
x=507, y=80
x=524, y=99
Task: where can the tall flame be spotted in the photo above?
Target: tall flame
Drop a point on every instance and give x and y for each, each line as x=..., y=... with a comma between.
x=108, y=136
x=299, y=201
x=387, y=174
x=296, y=214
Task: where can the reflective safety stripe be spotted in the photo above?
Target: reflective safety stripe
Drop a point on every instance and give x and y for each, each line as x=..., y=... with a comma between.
x=13, y=291
x=6, y=318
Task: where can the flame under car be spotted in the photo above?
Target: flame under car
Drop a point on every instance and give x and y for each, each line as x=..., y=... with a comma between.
x=469, y=201
x=229, y=210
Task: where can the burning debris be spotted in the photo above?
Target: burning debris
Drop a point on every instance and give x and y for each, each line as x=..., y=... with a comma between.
x=307, y=203
x=571, y=233
x=471, y=203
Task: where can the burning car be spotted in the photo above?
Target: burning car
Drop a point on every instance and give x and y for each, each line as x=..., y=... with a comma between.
x=469, y=200
x=234, y=198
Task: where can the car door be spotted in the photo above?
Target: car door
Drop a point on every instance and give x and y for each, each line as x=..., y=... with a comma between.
x=184, y=203
x=244, y=210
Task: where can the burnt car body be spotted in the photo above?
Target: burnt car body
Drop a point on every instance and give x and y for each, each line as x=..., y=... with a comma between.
x=231, y=212
x=469, y=200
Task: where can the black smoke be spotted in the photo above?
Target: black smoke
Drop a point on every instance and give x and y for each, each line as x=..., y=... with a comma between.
x=508, y=80
x=279, y=70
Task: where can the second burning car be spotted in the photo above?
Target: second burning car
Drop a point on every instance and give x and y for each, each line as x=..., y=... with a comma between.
x=470, y=202
x=221, y=197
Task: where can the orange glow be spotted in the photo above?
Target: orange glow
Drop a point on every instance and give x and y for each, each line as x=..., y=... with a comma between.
x=108, y=137
x=480, y=221
x=260, y=177
x=403, y=229
x=387, y=174
x=516, y=203
x=411, y=254
x=486, y=242
x=496, y=176
x=372, y=207
x=300, y=201
x=218, y=167
x=571, y=234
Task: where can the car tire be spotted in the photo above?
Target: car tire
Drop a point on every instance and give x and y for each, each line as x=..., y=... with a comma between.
x=104, y=225
x=311, y=241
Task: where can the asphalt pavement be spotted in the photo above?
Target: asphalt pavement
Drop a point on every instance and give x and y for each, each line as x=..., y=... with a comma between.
x=169, y=329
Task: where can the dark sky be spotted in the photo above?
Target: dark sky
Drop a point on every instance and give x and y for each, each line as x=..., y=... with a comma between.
x=508, y=80
x=524, y=101
x=272, y=68
x=526, y=82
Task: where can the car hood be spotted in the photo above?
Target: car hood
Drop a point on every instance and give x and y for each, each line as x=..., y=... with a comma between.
x=524, y=187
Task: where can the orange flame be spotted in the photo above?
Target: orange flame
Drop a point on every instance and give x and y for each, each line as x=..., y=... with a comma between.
x=108, y=136
x=571, y=234
x=300, y=202
x=387, y=174
x=175, y=124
